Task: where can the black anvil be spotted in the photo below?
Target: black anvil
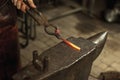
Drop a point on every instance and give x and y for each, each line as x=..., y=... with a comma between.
x=61, y=62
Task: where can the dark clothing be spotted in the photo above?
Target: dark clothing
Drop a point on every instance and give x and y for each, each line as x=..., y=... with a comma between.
x=9, y=48
x=7, y=13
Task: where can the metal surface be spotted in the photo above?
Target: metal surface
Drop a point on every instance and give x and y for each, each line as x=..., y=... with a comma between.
x=65, y=63
x=99, y=39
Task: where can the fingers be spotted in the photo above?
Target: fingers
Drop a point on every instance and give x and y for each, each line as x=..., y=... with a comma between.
x=24, y=7
x=15, y=2
x=31, y=3
x=21, y=5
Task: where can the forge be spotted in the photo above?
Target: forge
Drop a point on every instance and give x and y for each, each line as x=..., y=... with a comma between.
x=62, y=62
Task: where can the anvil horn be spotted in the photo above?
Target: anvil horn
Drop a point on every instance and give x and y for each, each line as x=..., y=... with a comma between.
x=99, y=39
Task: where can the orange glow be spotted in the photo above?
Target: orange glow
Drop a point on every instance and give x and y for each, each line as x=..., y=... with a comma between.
x=71, y=44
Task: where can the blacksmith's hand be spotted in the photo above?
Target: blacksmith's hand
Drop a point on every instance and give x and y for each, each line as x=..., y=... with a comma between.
x=22, y=6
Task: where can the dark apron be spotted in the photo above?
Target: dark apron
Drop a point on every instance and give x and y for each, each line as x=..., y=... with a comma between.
x=9, y=48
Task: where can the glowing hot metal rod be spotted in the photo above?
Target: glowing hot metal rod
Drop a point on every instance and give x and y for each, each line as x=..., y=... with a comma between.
x=53, y=30
x=71, y=44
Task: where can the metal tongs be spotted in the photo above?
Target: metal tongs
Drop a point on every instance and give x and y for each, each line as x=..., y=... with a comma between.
x=42, y=20
x=49, y=28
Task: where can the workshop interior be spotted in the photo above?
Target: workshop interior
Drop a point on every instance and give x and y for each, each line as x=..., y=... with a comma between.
x=61, y=40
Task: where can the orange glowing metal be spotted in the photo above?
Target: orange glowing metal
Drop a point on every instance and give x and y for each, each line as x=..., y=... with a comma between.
x=71, y=44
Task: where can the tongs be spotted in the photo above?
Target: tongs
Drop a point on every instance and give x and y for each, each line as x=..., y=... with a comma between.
x=41, y=19
x=50, y=29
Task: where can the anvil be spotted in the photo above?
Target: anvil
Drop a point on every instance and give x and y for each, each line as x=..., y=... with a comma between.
x=61, y=62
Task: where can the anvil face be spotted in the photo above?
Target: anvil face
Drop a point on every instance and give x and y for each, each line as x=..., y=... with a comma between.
x=63, y=62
